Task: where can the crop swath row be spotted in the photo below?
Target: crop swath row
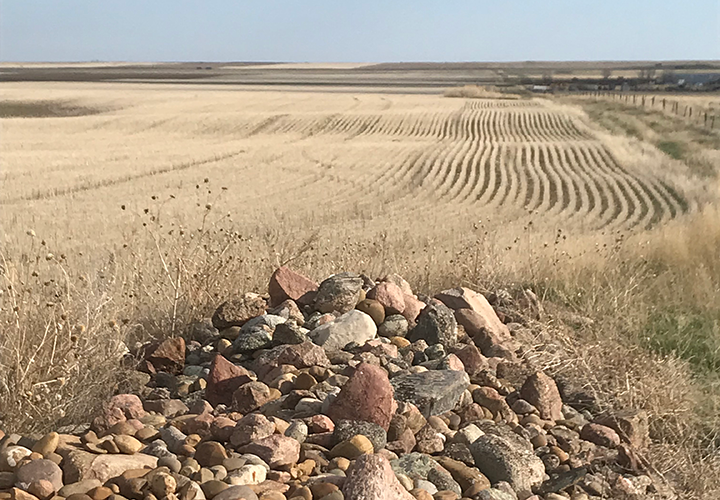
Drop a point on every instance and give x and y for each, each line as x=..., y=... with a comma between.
x=531, y=158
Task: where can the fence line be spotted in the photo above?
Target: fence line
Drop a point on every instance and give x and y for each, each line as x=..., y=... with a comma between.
x=703, y=117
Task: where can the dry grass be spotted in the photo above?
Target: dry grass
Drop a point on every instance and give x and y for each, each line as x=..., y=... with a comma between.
x=478, y=92
x=129, y=224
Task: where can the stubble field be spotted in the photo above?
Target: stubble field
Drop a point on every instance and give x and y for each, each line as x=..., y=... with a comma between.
x=366, y=162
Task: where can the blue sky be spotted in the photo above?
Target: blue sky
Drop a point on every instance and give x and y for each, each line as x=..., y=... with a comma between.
x=363, y=31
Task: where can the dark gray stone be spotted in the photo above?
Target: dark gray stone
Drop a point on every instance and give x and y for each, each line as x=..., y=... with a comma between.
x=413, y=465
x=339, y=293
x=436, y=325
x=289, y=333
x=434, y=392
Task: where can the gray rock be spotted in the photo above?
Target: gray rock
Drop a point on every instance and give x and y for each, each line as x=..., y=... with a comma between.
x=289, y=333
x=346, y=429
x=269, y=320
x=7, y=480
x=172, y=437
x=433, y=392
x=435, y=351
x=436, y=325
x=443, y=480
x=354, y=326
x=423, y=484
x=502, y=459
x=171, y=463
x=394, y=326
x=340, y=293
x=252, y=339
x=298, y=430
x=413, y=465
x=203, y=331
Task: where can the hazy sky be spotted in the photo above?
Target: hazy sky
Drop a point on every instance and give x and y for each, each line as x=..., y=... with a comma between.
x=358, y=31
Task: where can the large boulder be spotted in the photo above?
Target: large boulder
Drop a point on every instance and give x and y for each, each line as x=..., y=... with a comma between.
x=224, y=379
x=353, y=326
x=339, y=293
x=435, y=325
x=433, y=392
x=372, y=478
x=366, y=396
x=501, y=458
x=288, y=284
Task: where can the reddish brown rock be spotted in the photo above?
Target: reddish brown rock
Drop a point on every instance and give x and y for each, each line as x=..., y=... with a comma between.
x=600, y=435
x=372, y=478
x=200, y=424
x=398, y=280
x=366, y=396
x=222, y=428
x=405, y=443
x=167, y=356
x=631, y=425
x=237, y=312
x=224, y=379
x=275, y=450
x=453, y=362
x=541, y=391
x=413, y=307
x=320, y=423
x=287, y=284
x=390, y=296
x=493, y=401
x=465, y=298
x=42, y=489
x=472, y=359
x=119, y=409
x=487, y=331
x=250, y=397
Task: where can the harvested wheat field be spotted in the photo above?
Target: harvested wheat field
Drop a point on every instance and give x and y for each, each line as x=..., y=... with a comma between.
x=326, y=160
x=133, y=213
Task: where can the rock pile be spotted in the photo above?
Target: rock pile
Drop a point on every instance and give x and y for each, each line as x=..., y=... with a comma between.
x=351, y=389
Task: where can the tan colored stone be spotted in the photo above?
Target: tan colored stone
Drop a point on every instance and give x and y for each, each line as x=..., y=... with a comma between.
x=47, y=444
